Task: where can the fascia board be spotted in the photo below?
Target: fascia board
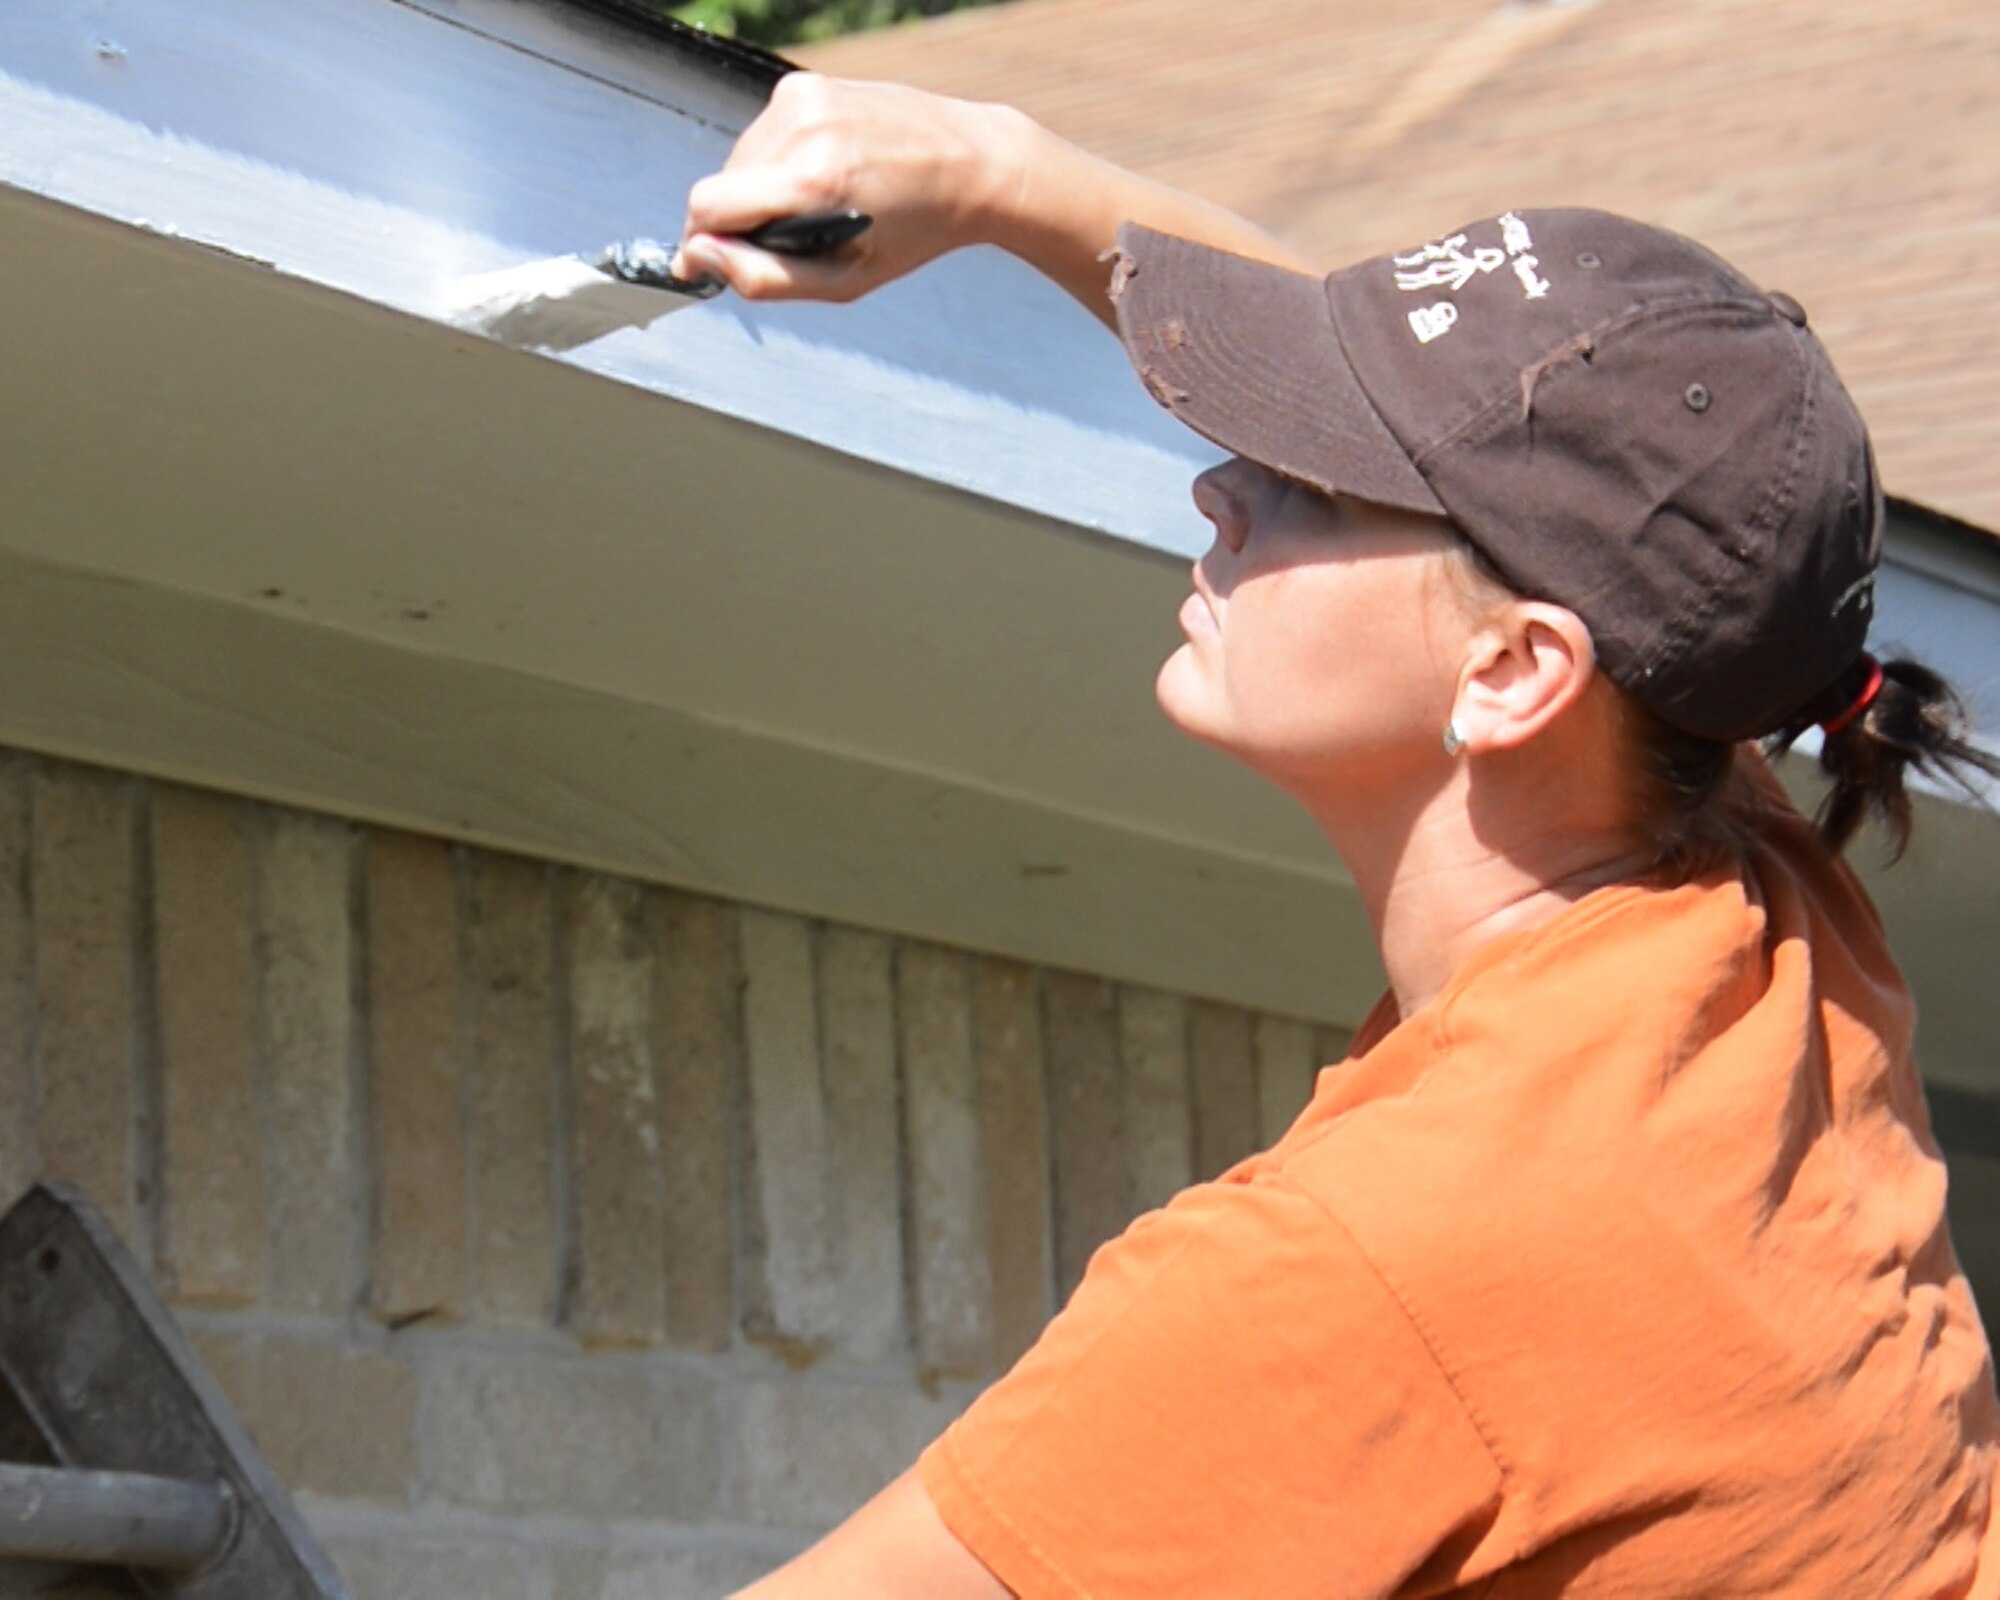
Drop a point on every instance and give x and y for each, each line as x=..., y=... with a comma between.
x=1953, y=554
x=383, y=149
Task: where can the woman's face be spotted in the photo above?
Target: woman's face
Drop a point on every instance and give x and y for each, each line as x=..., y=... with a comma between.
x=1324, y=635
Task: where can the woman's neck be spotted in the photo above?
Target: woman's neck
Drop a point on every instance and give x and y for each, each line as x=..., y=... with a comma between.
x=1448, y=872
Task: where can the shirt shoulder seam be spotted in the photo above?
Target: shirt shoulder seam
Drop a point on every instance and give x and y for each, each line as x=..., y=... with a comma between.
x=1481, y=1429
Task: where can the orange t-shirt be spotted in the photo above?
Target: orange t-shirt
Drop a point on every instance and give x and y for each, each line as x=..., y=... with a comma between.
x=1620, y=1269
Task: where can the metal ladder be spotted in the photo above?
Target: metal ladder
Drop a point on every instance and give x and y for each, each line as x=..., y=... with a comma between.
x=117, y=1450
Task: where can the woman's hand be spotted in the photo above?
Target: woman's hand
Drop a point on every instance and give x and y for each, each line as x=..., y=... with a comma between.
x=930, y=171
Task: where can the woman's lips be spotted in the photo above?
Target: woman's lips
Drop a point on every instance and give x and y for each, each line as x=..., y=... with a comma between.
x=1196, y=617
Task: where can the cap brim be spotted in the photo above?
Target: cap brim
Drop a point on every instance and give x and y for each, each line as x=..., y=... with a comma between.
x=1246, y=354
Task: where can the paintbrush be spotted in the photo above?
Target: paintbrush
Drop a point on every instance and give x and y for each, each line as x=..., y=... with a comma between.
x=568, y=301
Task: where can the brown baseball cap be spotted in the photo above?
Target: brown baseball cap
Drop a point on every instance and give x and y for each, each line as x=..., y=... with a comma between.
x=1620, y=421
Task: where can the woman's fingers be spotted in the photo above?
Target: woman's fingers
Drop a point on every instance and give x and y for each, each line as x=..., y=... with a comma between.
x=762, y=275
x=738, y=202
x=741, y=199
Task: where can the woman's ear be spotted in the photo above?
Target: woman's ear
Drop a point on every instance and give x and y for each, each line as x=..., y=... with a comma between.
x=1524, y=669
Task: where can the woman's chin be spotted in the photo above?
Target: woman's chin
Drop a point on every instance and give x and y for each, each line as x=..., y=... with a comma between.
x=1185, y=695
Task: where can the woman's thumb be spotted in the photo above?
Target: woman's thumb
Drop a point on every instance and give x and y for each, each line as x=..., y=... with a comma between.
x=701, y=255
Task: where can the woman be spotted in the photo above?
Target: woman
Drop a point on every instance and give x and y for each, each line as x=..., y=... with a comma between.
x=1613, y=1261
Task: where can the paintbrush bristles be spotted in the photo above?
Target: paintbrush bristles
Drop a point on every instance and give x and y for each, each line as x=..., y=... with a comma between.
x=556, y=304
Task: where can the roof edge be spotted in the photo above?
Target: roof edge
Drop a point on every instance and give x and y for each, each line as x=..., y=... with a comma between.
x=751, y=62
x=1967, y=537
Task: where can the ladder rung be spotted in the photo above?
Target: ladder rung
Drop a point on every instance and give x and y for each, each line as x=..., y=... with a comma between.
x=113, y=1519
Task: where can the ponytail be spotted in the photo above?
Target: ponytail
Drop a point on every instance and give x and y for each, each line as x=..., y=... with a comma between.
x=1901, y=716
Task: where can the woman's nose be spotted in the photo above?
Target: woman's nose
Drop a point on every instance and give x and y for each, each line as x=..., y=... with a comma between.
x=1217, y=498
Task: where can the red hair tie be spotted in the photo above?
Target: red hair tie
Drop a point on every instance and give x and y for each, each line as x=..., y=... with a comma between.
x=1862, y=701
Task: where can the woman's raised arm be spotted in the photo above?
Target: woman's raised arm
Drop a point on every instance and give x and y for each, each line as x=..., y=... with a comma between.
x=935, y=174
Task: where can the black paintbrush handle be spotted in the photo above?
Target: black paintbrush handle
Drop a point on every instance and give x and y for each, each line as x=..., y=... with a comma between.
x=647, y=262
x=817, y=234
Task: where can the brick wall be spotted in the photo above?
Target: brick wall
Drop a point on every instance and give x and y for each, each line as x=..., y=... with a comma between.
x=560, y=1237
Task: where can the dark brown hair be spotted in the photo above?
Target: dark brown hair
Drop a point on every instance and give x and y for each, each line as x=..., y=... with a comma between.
x=1676, y=776
x=1916, y=721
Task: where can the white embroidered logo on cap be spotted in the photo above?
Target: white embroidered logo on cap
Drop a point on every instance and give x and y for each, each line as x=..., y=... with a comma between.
x=1861, y=589
x=1450, y=264
x=1433, y=322
x=1514, y=235
x=1445, y=265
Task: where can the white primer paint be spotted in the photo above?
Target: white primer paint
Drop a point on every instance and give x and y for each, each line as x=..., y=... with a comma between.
x=557, y=304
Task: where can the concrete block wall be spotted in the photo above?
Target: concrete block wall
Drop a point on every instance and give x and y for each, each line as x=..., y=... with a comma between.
x=557, y=1236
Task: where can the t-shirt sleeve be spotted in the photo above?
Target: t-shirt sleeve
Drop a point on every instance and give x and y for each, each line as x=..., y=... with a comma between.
x=1233, y=1403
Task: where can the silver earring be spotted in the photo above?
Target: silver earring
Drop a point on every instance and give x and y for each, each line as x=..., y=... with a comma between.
x=1454, y=741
